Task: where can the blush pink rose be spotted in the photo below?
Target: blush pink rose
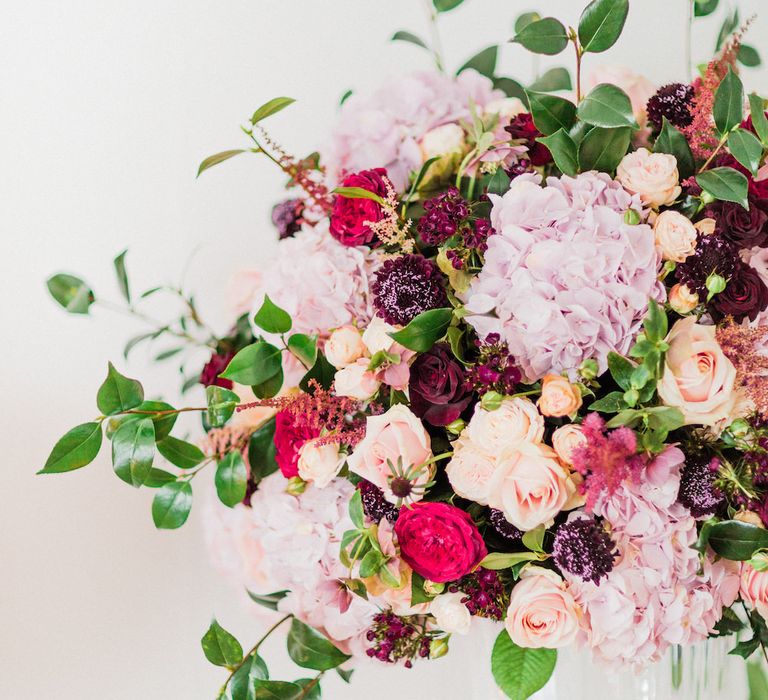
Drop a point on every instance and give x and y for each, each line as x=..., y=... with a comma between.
x=698, y=378
x=682, y=299
x=566, y=439
x=356, y=381
x=653, y=176
x=675, y=235
x=515, y=420
x=542, y=613
x=344, y=346
x=558, y=397
x=470, y=470
x=754, y=589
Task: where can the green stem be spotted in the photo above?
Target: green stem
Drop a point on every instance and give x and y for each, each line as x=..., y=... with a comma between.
x=437, y=48
x=310, y=685
x=722, y=143
x=579, y=54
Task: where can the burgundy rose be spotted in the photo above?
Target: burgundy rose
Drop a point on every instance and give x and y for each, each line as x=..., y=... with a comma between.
x=439, y=541
x=745, y=296
x=349, y=215
x=746, y=228
x=214, y=367
x=290, y=435
x=522, y=128
x=437, y=386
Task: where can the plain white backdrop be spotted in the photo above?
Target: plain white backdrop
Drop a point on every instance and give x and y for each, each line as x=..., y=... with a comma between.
x=106, y=109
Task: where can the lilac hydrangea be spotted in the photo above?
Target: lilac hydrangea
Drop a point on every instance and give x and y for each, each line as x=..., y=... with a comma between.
x=565, y=277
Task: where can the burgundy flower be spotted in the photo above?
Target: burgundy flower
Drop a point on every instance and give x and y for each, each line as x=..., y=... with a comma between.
x=439, y=541
x=214, y=367
x=674, y=102
x=290, y=435
x=745, y=227
x=350, y=215
x=522, y=128
x=286, y=217
x=443, y=215
x=745, y=296
x=438, y=387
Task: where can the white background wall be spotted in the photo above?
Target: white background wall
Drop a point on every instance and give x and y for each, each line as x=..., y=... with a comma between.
x=106, y=108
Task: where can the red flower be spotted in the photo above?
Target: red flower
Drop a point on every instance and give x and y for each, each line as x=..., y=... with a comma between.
x=290, y=435
x=350, y=215
x=438, y=387
x=439, y=541
x=522, y=128
x=214, y=367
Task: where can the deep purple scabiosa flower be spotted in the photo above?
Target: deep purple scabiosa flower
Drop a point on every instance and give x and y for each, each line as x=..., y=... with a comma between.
x=583, y=548
x=495, y=368
x=438, y=387
x=674, y=102
x=443, y=215
x=485, y=595
x=714, y=254
x=406, y=286
x=375, y=506
x=503, y=527
x=697, y=490
x=286, y=217
x=395, y=638
x=214, y=367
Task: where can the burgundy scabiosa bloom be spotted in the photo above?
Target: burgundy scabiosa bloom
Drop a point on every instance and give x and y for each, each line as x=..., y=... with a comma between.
x=503, y=527
x=438, y=387
x=286, y=217
x=583, y=548
x=522, y=128
x=406, y=286
x=674, y=102
x=443, y=215
x=375, y=506
x=350, y=215
x=714, y=254
x=214, y=367
x=697, y=490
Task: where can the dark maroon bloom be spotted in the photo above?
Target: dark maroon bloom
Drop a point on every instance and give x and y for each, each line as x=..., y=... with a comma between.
x=503, y=527
x=214, y=367
x=406, y=286
x=672, y=101
x=484, y=594
x=477, y=236
x=396, y=638
x=745, y=296
x=495, y=369
x=745, y=227
x=522, y=128
x=697, y=490
x=583, y=548
x=286, y=216
x=375, y=506
x=290, y=435
x=443, y=215
x=350, y=215
x=714, y=254
x=437, y=386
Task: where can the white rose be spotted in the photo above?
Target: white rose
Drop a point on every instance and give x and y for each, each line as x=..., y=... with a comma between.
x=344, y=347
x=506, y=107
x=356, y=381
x=448, y=138
x=515, y=420
x=470, y=470
x=451, y=614
x=319, y=463
x=675, y=236
x=376, y=337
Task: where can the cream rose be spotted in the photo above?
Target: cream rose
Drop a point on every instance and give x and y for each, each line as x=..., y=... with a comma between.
x=516, y=419
x=376, y=336
x=675, y=236
x=566, y=439
x=451, y=614
x=396, y=435
x=698, y=378
x=470, y=470
x=356, y=381
x=506, y=107
x=529, y=485
x=653, y=176
x=319, y=463
x=344, y=347
x=542, y=612
x=682, y=299
x=442, y=140
x=754, y=589
x=558, y=397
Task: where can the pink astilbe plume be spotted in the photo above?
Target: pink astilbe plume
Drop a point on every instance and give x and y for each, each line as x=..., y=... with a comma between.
x=746, y=347
x=607, y=459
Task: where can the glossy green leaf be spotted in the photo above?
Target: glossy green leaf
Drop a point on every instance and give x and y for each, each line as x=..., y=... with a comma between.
x=525, y=19
x=220, y=647
x=759, y=120
x=118, y=393
x=359, y=193
x=157, y=411
x=424, y=330
x=607, y=106
x=726, y=184
x=231, y=479
x=183, y=454
x=304, y=347
x=511, y=88
x=546, y=36
x=323, y=372
x=277, y=690
x=603, y=149
x=269, y=600
x=749, y=56
x=702, y=8
x=409, y=38
x=520, y=671
x=446, y=5
x=483, y=62
x=728, y=108
x=71, y=293
x=612, y=402
x=77, y=448
x=122, y=276
x=563, y=151
x=621, y=369
x=217, y=158
x=746, y=148
x=310, y=649
x=356, y=513
x=245, y=680
x=551, y=113
x=554, y=79
x=498, y=561
x=671, y=140
x=254, y=364
x=655, y=323
x=171, y=505
x=737, y=541
x=601, y=24
x=158, y=478
x=133, y=449
x=346, y=675
x=272, y=107
x=311, y=688
x=261, y=451
x=271, y=318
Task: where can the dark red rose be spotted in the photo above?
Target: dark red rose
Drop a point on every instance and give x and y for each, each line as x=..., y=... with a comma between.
x=745, y=296
x=214, y=367
x=290, y=435
x=522, y=128
x=439, y=541
x=437, y=386
x=745, y=227
x=349, y=215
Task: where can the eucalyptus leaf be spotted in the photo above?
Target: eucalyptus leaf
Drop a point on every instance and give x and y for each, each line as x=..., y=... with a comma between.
x=545, y=36
x=71, y=293
x=77, y=448
x=171, y=505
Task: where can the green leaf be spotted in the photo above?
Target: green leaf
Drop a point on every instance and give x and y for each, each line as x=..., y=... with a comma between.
x=272, y=107
x=122, y=276
x=483, y=62
x=309, y=649
x=511, y=88
x=171, y=505
x=217, y=158
x=563, y=150
x=277, y=690
x=221, y=405
x=359, y=193
x=163, y=423
x=601, y=24
x=546, y=36
x=261, y=451
x=728, y=27
x=133, y=449
x=424, y=330
x=758, y=683
x=610, y=403
x=725, y=184
x=356, y=513
x=220, y=647
x=118, y=393
x=245, y=680
x=554, y=79
x=607, y=106
x=71, y=293
x=729, y=103
x=621, y=369
x=271, y=387
x=519, y=671
x=231, y=479
x=410, y=38
x=759, y=120
x=534, y=539
x=75, y=449
x=665, y=418
x=735, y=540
x=345, y=675
x=655, y=322
x=748, y=56
x=272, y=318
x=602, y=149
x=269, y=600
x=497, y=561
x=525, y=19
x=183, y=454
x=446, y=5
x=702, y=8
x=551, y=113
x=671, y=140
x=322, y=372
x=158, y=478
x=304, y=347
x=254, y=364
x=745, y=148
x=314, y=693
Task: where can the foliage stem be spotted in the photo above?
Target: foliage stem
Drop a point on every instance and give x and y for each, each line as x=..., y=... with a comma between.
x=714, y=153
x=308, y=688
x=437, y=47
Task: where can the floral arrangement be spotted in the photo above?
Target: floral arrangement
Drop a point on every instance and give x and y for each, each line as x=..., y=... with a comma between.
x=507, y=363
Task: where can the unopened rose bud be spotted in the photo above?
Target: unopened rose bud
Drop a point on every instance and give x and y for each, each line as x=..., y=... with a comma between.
x=631, y=217
x=589, y=369
x=296, y=486
x=715, y=284
x=438, y=648
x=433, y=588
x=491, y=400
x=739, y=428
x=456, y=427
x=682, y=300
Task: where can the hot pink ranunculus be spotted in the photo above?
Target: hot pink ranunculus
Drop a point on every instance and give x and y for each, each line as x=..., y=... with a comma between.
x=351, y=215
x=439, y=541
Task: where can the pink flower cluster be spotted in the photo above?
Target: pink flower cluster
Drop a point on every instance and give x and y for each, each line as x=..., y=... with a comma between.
x=565, y=278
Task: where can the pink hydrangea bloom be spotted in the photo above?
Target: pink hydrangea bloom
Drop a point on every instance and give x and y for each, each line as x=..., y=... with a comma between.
x=565, y=278
x=384, y=129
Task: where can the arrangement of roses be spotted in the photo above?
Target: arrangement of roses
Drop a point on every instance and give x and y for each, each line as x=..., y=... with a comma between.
x=509, y=362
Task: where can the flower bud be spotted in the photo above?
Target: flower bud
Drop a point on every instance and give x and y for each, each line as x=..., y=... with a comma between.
x=682, y=300
x=296, y=486
x=433, y=588
x=491, y=400
x=438, y=648
x=589, y=369
x=715, y=284
x=631, y=217
x=456, y=427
